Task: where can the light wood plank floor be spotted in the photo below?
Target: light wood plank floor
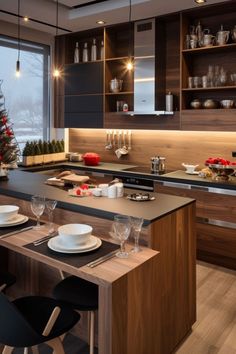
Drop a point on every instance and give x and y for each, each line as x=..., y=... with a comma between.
x=215, y=329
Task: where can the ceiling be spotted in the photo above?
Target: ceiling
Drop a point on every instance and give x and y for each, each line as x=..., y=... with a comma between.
x=76, y=15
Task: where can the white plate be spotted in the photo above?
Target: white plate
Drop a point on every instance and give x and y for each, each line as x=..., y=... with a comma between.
x=55, y=244
x=192, y=173
x=17, y=220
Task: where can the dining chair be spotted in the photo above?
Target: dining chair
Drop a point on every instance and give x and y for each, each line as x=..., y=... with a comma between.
x=82, y=296
x=31, y=320
x=6, y=279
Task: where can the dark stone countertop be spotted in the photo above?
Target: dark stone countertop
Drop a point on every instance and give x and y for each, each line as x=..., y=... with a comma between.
x=25, y=184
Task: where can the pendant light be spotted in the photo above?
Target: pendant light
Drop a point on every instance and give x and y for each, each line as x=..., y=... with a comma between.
x=56, y=71
x=129, y=64
x=18, y=40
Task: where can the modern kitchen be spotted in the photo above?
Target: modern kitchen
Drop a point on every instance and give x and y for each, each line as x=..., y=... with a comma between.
x=117, y=204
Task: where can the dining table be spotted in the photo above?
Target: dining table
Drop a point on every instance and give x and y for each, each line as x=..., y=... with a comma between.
x=129, y=298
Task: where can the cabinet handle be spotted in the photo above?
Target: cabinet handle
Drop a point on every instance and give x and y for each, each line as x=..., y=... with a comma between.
x=177, y=185
x=220, y=223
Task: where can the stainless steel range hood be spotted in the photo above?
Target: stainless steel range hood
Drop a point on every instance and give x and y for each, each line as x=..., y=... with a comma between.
x=144, y=69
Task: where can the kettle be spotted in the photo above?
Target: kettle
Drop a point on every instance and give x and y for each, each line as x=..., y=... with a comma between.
x=158, y=164
x=222, y=36
x=116, y=85
x=207, y=38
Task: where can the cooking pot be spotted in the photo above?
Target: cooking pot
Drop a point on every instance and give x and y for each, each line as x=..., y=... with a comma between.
x=91, y=159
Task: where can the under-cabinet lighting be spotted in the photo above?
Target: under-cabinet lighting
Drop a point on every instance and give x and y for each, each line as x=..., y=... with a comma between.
x=25, y=18
x=100, y=22
x=199, y=2
x=129, y=65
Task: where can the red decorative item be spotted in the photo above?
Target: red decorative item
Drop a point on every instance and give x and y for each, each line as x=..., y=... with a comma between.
x=91, y=159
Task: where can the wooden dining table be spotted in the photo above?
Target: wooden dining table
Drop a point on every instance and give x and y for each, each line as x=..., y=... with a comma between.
x=129, y=295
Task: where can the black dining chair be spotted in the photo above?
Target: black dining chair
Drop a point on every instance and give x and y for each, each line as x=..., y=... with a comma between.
x=82, y=296
x=6, y=279
x=32, y=320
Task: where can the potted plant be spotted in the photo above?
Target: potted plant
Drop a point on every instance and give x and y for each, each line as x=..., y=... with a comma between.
x=27, y=154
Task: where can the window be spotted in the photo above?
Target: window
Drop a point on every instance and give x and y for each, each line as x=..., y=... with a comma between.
x=26, y=97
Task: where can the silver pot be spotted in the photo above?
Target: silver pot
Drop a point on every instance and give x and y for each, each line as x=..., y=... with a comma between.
x=158, y=164
x=116, y=85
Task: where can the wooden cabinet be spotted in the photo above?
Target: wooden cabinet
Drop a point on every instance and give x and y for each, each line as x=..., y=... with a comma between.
x=215, y=222
x=210, y=61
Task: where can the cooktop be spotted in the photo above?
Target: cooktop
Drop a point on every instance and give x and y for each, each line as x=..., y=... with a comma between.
x=144, y=169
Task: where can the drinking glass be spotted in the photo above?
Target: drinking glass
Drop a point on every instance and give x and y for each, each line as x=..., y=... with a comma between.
x=121, y=230
x=50, y=205
x=136, y=224
x=37, y=207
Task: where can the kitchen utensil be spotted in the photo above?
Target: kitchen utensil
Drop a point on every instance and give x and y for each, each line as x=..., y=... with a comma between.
x=18, y=220
x=8, y=212
x=115, y=85
x=74, y=234
x=16, y=232
x=136, y=224
x=196, y=104
x=102, y=259
x=209, y=104
x=108, y=145
x=129, y=139
x=50, y=205
x=222, y=36
x=91, y=159
x=121, y=228
x=197, y=81
x=221, y=172
x=227, y=103
x=207, y=38
x=44, y=239
x=55, y=244
x=37, y=206
x=140, y=197
x=189, y=168
x=158, y=164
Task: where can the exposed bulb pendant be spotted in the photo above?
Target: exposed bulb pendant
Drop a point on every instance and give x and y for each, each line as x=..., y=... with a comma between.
x=56, y=72
x=18, y=28
x=129, y=64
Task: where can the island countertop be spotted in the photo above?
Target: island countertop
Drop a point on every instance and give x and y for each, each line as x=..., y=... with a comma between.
x=23, y=185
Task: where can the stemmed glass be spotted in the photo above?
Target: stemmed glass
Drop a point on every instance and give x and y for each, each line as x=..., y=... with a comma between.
x=121, y=229
x=50, y=205
x=136, y=224
x=37, y=207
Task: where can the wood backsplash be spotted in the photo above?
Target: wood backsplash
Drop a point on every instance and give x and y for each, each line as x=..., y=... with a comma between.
x=176, y=146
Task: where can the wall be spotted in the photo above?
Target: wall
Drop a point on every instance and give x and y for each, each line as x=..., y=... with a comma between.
x=176, y=146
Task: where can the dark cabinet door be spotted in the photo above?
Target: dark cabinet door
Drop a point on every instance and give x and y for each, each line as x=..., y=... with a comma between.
x=83, y=99
x=84, y=111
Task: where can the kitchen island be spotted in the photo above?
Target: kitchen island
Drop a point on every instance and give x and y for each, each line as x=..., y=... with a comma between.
x=169, y=229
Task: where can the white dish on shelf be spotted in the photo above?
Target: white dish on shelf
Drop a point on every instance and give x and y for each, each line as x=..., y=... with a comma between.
x=17, y=220
x=192, y=173
x=56, y=245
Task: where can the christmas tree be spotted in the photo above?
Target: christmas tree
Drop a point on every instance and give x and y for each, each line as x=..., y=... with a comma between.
x=8, y=146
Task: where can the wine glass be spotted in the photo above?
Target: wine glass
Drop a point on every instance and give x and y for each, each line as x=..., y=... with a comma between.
x=136, y=224
x=37, y=207
x=121, y=229
x=50, y=205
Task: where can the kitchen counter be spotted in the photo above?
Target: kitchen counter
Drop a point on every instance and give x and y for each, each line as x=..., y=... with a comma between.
x=25, y=184
x=178, y=176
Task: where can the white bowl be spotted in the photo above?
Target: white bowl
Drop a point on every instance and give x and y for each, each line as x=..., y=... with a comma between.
x=8, y=212
x=74, y=234
x=189, y=168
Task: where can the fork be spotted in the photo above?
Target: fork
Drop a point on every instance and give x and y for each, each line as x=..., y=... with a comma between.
x=44, y=239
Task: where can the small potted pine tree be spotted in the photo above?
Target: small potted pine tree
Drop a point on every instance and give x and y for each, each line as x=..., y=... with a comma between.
x=27, y=154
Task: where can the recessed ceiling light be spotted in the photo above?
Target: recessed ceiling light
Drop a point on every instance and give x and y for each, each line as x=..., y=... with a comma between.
x=199, y=2
x=100, y=22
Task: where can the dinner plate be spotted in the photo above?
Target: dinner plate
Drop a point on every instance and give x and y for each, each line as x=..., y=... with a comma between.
x=17, y=220
x=56, y=245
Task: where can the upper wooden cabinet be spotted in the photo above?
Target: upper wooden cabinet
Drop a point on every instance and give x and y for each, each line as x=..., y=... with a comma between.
x=206, y=66
x=83, y=97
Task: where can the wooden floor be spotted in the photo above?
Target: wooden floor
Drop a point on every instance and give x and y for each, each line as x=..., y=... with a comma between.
x=215, y=329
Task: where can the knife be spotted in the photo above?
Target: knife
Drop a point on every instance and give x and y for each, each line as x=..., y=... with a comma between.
x=102, y=259
x=16, y=232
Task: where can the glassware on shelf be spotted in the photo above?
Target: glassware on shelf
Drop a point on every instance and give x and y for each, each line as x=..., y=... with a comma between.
x=210, y=76
x=121, y=228
x=85, y=52
x=76, y=53
x=94, y=50
x=37, y=207
x=50, y=205
x=222, y=77
x=136, y=224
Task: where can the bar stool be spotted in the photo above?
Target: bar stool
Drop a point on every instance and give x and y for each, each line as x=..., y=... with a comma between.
x=31, y=320
x=6, y=279
x=82, y=296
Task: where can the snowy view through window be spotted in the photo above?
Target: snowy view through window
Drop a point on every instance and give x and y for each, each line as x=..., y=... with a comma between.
x=26, y=97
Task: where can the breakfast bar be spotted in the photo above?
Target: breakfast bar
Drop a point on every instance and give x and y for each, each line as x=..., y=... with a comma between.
x=164, y=283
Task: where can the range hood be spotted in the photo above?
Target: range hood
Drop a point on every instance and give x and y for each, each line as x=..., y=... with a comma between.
x=144, y=69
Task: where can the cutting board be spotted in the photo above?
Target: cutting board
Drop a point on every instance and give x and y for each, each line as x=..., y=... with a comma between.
x=75, y=179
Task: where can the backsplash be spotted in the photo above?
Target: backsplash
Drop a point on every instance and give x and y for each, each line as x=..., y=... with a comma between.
x=175, y=146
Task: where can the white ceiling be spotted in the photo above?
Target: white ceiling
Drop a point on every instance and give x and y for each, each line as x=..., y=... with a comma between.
x=77, y=19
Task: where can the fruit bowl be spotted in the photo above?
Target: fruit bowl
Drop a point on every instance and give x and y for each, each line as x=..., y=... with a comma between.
x=221, y=172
